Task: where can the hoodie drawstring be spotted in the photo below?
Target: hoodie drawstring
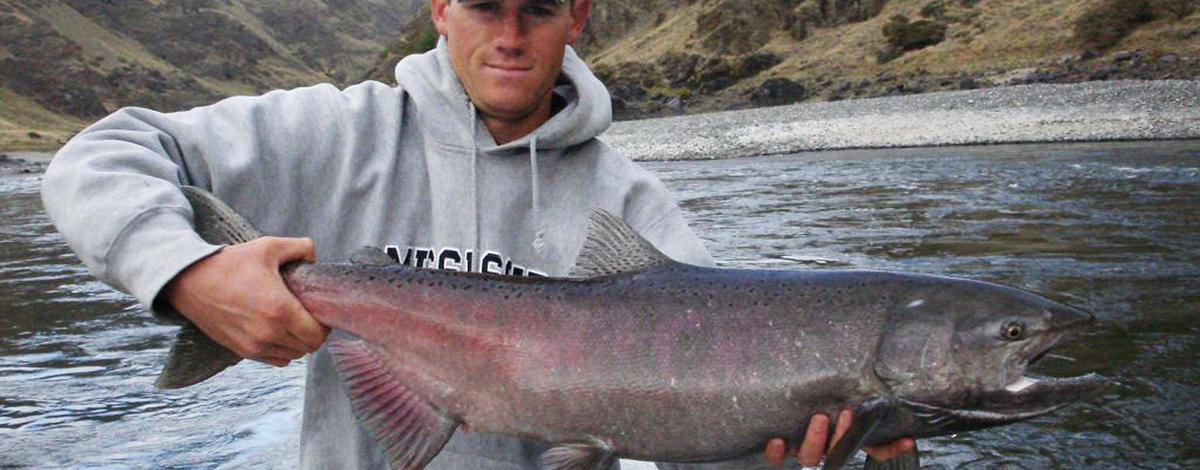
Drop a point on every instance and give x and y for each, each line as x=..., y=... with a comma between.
x=539, y=236
x=474, y=170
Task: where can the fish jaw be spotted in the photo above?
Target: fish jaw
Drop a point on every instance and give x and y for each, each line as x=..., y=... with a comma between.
x=1025, y=398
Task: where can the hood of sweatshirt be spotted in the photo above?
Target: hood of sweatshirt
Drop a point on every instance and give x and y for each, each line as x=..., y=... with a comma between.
x=431, y=82
x=434, y=88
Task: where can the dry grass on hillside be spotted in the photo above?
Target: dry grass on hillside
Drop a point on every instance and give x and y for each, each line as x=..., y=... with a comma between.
x=992, y=36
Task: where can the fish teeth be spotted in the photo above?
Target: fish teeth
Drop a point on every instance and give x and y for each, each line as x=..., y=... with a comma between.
x=1022, y=383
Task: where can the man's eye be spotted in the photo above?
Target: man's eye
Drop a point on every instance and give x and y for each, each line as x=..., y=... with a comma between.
x=485, y=7
x=538, y=11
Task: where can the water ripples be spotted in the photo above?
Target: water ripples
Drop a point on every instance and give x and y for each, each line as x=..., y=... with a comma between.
x=1113, y=228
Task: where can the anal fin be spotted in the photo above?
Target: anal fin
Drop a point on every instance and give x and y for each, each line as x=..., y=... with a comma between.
x=410, y=430
x=905, y=461
x=577, y=456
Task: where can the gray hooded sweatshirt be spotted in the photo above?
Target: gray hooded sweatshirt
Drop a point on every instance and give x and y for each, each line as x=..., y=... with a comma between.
x=410, y=168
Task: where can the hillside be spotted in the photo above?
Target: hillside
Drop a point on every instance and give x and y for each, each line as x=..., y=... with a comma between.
x=721, y=54
x=662, y=57
x=64, y=63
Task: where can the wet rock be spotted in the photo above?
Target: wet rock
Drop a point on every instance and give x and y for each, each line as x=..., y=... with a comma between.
x=844, y=86
x=912, y=87
x=777, y=91
x=756, y=63
x=675, y=105
x=679, y=68
x=1021, y=76
x=618, y=104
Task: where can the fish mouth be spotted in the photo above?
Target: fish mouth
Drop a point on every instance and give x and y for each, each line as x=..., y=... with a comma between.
x=1027, y=397
x=1023, y=397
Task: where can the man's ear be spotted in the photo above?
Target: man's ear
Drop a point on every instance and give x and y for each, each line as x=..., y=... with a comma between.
x=579, y=14
x=437, y=11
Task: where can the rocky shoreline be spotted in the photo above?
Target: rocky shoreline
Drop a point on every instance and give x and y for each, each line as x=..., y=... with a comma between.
x=1040, y=113
x=21, y=164
x=1090, y=111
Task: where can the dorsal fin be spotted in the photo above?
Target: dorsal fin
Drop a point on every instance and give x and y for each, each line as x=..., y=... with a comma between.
x=216, y=222
x=613, y=247
x=371, y=256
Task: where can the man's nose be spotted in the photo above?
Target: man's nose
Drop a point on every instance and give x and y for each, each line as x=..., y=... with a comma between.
x=512, y=32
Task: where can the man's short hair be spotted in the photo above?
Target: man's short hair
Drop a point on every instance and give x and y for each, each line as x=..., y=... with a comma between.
x=560, y=2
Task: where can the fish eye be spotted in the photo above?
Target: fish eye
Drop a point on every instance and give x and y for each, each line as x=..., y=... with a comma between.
x=1014, y=331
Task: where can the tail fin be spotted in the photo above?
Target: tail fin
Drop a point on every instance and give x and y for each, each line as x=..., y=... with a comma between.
x=195, y=357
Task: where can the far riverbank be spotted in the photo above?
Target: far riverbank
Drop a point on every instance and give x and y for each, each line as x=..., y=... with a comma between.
x=1042, y=113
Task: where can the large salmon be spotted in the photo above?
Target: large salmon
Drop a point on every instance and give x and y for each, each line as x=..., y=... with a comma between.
x=638, y=356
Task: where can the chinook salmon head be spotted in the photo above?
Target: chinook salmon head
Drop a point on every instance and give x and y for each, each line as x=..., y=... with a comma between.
x=955, y=352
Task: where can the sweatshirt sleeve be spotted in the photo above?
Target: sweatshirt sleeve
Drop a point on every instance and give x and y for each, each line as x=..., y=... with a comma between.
x=113, y=190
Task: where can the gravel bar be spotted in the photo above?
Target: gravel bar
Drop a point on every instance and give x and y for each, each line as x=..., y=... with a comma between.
x=1091, y=111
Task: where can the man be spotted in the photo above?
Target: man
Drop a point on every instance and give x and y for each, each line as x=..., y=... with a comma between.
x=484, y=158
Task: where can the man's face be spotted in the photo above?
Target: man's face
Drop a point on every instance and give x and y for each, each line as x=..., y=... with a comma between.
x=508, y=53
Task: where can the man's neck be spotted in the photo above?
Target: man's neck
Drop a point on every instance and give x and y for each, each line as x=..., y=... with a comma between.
x=506, y=130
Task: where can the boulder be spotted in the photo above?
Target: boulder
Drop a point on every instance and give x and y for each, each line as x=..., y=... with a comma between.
x=777, y=91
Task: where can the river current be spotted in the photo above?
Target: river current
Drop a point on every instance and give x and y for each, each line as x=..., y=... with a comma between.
x=1113, y=228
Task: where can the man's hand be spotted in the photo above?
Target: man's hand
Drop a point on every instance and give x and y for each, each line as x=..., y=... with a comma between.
x=813, y=448
x=237, y=297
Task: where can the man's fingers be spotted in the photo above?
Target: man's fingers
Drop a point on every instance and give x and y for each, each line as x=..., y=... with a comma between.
x=292, y=249
x=278, y=356
x=776, y=453
x=843, y=424
x=891, y=450
x=305, y=328
x=813, y=447
x=300, y=325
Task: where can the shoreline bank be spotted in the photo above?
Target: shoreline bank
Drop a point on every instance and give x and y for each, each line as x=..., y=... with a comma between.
x=1042, y=113
x=1022, y=114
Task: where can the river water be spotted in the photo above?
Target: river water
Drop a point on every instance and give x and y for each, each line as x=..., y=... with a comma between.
x=1113, y=228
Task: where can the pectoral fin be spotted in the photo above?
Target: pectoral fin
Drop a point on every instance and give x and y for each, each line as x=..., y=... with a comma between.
x=410, y=430
x=866, y=417
x=577, y=456
x=906, y=461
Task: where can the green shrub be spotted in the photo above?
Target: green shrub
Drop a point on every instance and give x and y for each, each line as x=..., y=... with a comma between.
x=1105, y=24
x=934, y=10
x=1179, y=9
x=906, y=36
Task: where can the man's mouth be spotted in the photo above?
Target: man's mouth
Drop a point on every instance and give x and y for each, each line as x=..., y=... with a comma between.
x=509, y=68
